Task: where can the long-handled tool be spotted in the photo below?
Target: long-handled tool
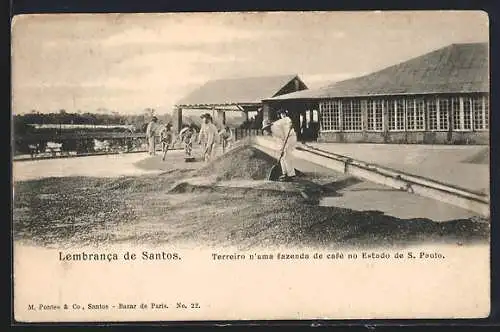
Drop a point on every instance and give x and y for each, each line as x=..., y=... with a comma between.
x=276, y=171
x=165, y=147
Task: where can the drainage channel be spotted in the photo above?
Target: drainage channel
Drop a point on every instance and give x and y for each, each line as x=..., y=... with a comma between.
x=418, y=185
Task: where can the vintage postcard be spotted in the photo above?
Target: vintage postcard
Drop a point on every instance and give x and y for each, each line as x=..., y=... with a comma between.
x=251, y=166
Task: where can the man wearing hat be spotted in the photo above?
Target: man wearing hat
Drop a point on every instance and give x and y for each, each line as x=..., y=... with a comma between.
x=202, y=134
x=166, y=138
x=150, y=135
x=283, y=130
x=211, y=135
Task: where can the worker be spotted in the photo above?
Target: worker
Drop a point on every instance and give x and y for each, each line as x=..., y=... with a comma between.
x=201, y=135
x=166, y=138
x=211, y=136
x=226, y=137
x=282, y=130
x=150, y=135
x=186, y=137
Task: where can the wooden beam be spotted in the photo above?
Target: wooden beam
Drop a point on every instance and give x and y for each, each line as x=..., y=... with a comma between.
x=237, y=109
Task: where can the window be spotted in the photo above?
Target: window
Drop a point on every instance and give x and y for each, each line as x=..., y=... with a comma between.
x=351, y=115
x=415, y=114
x=420, y=116
x=410, y=114
x=396, y=115
x=480, y=109
x=347, y=114
x=467, y=121
x=438, y=113
x=486, y=112
x=391, y=113
x=444, y=107
x=330, y=115
x=341, y=114
x=456, y=114
x=375, y=115
x=462, y=113
x=356, y=115
x=433, y=114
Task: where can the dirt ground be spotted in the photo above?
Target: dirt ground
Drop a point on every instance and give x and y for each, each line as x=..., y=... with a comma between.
x=98, y=166
x=168, y=209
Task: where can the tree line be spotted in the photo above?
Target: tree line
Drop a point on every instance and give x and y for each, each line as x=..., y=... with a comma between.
x=22, y=122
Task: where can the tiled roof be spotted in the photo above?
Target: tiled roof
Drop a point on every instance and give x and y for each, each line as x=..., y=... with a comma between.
x=457, y=68
x=249, y=90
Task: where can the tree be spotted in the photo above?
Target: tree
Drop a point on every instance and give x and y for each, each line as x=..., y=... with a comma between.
x=20, y=127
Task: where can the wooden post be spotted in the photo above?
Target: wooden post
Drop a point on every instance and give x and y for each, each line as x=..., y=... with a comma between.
x=364, y=103
x=449, y=135
x=221, y=117
x=405, y=102
x=385, y=118
x=427, y=116
x=177, y=119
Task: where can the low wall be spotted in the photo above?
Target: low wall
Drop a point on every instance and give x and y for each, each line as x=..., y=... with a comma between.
x=424, y=137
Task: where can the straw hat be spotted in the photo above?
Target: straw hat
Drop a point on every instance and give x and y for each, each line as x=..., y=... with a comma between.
x=283, y=112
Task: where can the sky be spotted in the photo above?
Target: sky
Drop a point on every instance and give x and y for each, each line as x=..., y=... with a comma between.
x=129, y=62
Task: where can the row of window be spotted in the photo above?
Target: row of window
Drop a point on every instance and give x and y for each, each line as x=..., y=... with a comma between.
x=467, y=113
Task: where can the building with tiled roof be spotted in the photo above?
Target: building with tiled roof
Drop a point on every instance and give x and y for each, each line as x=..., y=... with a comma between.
x=237, y=94
x=441, y=97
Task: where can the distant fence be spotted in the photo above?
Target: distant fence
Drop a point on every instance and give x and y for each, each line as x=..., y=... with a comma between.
x=65, y=126
x=64, y=143
x=35, y=137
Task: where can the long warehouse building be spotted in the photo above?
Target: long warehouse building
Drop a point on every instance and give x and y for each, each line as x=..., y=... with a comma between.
x=441, y=97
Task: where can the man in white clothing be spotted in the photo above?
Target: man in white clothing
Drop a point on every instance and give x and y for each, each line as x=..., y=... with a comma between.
x=284, y=132
x=211, y=136
x=201, y=135
x=150, y=135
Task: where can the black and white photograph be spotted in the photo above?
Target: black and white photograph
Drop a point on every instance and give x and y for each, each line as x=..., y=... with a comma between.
x=251, y=165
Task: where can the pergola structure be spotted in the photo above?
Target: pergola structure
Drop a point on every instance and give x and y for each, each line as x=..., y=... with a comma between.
x=236, y=95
